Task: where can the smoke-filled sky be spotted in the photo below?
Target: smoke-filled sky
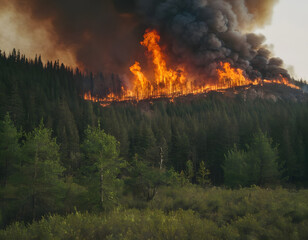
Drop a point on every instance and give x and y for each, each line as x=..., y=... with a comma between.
x=104, y=35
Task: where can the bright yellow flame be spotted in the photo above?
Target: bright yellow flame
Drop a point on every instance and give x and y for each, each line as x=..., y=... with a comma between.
x=232, y=77
x=142, y=87
x=169, y=83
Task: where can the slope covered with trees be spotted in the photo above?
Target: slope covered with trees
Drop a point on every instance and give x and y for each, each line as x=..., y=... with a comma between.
x=59, y=153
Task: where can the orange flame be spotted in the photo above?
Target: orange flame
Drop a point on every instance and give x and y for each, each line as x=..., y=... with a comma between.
x=170, y=82
x=142, y=86
x=167, y=81
x=233, y=77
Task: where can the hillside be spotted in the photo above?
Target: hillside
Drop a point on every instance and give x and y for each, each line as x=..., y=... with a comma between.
x=32, y=92
x=268, y=91
x=59, y=153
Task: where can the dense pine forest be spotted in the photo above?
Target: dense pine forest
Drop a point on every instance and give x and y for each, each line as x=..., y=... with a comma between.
x=215, y=167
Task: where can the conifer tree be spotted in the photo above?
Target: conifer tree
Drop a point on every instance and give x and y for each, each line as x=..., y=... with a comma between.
x=101, y=166
x=203, y=175
x=190, y=170
x=42, y=186
x=9, y=149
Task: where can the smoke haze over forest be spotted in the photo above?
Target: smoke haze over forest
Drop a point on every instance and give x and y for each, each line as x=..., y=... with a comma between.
x=104, y=35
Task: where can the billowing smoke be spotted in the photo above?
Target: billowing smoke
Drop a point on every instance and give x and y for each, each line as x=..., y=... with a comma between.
x=104, y=35
x=201, y=33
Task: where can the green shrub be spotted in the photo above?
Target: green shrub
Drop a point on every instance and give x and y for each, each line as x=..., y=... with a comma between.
x=185, y=213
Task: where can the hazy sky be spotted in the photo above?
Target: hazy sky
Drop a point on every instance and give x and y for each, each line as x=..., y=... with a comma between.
x=16, y=33
x=288, y=33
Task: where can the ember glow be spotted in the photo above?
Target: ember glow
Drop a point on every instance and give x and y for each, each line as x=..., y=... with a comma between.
x=170, y=83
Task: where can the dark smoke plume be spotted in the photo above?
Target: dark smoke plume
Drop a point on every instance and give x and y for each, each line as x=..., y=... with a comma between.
x=104, y=35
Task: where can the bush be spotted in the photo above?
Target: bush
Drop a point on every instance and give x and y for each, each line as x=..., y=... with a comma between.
x=185, y=213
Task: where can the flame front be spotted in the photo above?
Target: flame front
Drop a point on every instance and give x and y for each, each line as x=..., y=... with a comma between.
x=168, y=82
x=142, y=86
x=233, y=77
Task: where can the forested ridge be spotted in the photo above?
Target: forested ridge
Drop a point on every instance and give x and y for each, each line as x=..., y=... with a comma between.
x=60, y=155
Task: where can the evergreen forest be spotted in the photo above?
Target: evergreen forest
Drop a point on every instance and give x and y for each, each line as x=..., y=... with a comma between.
x=212, y=167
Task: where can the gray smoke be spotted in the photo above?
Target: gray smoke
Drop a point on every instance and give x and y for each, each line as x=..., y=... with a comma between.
x=201, y=33
x=104, y=35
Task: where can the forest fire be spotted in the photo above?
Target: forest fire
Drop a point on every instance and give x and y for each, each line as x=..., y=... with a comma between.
x=170, y=83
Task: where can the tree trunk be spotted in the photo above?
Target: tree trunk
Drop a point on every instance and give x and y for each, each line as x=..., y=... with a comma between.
x=33, y=186
x=6, y=172
x=161, y=158
x=101, y=186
